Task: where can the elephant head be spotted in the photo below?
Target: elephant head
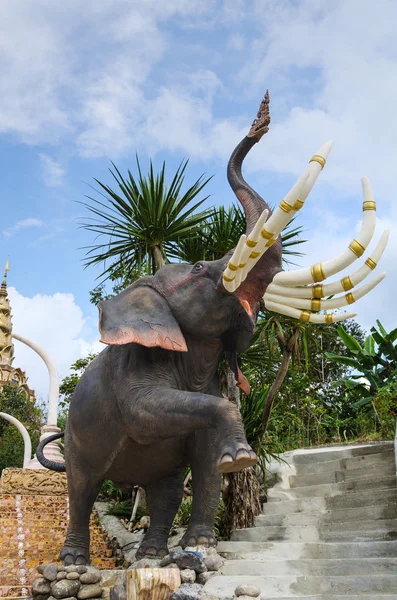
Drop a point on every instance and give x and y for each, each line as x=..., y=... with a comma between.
x=220, y=299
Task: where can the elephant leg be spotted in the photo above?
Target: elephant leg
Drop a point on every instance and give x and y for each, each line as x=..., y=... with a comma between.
x=82, y=491
x=163, y=498
x=156, y=413
x=206, y=482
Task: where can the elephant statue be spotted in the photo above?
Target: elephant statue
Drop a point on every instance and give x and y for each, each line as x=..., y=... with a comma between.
x=150, y=403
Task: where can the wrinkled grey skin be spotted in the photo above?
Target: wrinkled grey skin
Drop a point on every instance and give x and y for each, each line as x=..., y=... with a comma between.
x=146, y=408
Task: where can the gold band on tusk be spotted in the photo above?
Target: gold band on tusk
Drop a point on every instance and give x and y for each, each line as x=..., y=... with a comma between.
x=350, y=298
x=370, y=263
x=317, y=272
x=316, y=304
x=328, y=319
x=285, y=206
x=270, y=243
x=317, y=291
x=231, y=266
x=266, y=234
x=250, y=243
x=242, y=265
x=369, y=205
x=298, y=204
x=320, y=159
x=347, y=283
x=357, y=248
x=305, y=316
x=229, y=279
x=254, y=254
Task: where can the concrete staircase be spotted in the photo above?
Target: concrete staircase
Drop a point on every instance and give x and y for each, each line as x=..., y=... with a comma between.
x=32, y=531
x=328, y=531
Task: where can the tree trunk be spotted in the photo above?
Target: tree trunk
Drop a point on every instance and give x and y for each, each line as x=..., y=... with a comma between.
x=158, y=257
x=288, y=348
x=241, y=500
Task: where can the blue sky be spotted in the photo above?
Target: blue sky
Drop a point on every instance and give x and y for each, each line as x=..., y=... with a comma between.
x=82, y=86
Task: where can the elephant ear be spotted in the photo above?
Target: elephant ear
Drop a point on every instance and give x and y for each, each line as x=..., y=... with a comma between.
x=140, y=315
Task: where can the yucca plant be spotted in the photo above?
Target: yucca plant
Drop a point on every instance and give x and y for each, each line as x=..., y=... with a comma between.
x=144, y=221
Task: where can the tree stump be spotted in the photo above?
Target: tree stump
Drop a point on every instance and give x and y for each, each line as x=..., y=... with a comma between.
x=152, y=584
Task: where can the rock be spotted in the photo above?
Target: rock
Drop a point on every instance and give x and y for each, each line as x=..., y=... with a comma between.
x=247, y=589
x=112, y=577
x=187, y=591
x=204, y=577
x=40, y=586
x=213, y=563
x=190, y=560
x=39, y=597
x=70, y=598
x=118, y=592
x=40, y=569
x=208, y=597
x=90, y=591
x=212, y=552
x=65, y=588
x=165, y=561
x=188, y=576
x=144, y=523
x=90, y=577
x=72, y=575
x=242, y=597
x=75, y=569
x=50, y=572
x=146, y=563
x=61, y=575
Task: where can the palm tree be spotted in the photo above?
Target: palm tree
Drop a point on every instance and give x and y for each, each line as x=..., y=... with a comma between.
x=144, y=221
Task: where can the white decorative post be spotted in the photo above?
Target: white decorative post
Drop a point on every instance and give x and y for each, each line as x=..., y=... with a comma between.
x=27, y=453
x=51, y=451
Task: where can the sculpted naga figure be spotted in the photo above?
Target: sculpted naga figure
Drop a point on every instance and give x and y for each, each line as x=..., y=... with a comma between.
x=150, y=403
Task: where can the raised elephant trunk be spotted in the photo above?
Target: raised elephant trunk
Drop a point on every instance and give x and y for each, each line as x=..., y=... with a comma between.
x=251, y=201
x=254, y=270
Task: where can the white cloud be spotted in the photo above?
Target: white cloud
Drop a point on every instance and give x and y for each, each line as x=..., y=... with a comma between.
x=53, y=173
x=57, y=323
x=23, y=224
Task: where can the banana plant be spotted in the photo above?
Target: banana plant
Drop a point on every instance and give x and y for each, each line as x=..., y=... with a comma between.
x=373, y=365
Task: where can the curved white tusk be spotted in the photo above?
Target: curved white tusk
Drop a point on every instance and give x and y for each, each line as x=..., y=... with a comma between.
x=253, y=240
x=343, y=285
x=297, y=195
x=321, y=271
x=307, y=316
x=229, y=274
x=316, y=304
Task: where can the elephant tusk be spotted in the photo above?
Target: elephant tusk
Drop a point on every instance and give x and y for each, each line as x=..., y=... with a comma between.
x=343, y=285
x=250, y=249
x=306, y=316
x=320, y=271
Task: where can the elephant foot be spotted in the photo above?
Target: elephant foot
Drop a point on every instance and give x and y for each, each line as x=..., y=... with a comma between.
x=236, y=456
x=74, y=556
x=152, y=547
x=198, y=535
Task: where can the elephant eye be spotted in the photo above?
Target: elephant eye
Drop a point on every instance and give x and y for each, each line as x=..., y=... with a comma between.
x=198, y=267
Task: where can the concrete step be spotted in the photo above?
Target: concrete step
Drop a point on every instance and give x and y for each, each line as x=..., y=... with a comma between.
x=348, y=500
x=330, y=489
x=312, y=567
x=299, y=550
x=296, y=586
x=347, y=464
x=340, y=452
x=313, y=517
x=388, y=470
x=354, y=531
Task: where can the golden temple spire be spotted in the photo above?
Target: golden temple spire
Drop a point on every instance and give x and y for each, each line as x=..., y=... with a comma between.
x=6, y=345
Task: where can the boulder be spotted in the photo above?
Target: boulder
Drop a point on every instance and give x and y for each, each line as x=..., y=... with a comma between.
x=190, y=560
x=188, y=576
x=247, y=589
x=90, y=577
x=65, y=588
x=40, y=586
x=213, y=563
x=187, y=591
x=93, y=590
x=50, y=572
